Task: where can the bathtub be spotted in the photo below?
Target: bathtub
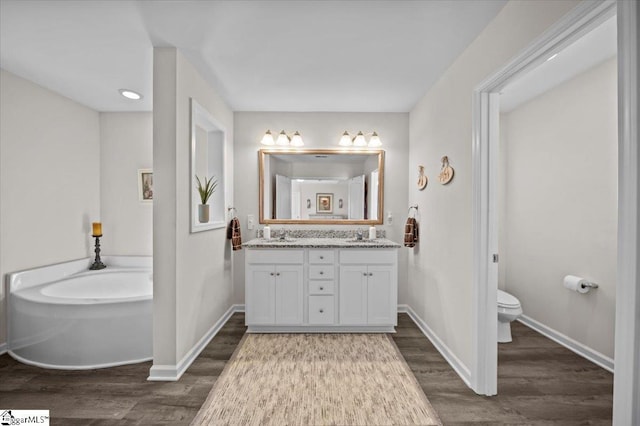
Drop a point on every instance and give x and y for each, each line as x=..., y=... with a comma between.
x=65, y=316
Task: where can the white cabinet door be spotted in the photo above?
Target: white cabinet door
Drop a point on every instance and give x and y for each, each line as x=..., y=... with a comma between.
x=260, y=297
x=353, y=295
x=289, y=296
x=381, y=299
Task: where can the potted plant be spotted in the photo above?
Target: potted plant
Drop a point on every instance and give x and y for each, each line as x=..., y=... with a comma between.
x=205, y=191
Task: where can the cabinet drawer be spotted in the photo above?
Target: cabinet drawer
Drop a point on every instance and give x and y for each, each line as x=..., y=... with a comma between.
x=321, y=310
x=321, y=272
x=275, y=256
x=320, y=287
x=368, y=256
x=321, y=256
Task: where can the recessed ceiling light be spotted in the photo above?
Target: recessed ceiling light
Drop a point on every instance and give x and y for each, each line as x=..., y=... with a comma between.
x=552, y=57
x=130, y=94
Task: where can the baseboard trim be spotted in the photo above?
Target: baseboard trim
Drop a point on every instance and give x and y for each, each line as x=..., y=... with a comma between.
x=455, y=363
x=566, y=341
x=172, y=373
x=3, y=348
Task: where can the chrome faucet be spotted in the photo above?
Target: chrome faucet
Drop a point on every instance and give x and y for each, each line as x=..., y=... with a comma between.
x=283, y=235
x=359, y=234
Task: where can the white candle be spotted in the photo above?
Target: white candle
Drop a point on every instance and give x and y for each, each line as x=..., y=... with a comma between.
x=372, y=233
x=266, y=233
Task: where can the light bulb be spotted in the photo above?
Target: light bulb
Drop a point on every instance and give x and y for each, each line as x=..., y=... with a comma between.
x=375, y=141
x=283, y=139
x=359, y=140
x=267, y=139
x=345, y=140
x=296, y=140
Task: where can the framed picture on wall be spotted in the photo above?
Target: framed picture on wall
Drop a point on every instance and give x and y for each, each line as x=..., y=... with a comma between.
x=324, y=203
x=145, y=185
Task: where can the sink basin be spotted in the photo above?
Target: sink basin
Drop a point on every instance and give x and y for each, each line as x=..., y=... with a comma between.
x=279, y=240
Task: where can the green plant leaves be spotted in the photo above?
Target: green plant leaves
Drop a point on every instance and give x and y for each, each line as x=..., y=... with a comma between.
x=206, y=190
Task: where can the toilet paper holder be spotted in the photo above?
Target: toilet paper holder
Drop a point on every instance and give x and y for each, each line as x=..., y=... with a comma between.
x=589, y=284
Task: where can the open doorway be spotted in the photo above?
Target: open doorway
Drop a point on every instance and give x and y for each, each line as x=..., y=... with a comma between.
x=557, y=196
x=580, y=20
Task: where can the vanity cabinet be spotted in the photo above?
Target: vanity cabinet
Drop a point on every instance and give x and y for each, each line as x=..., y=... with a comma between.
x=321, y=287
x=274, y=287
x=321, y=290
x=368, y=287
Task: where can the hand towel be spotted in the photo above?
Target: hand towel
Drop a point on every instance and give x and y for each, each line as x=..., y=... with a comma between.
x=233, y=233
x=411, y=232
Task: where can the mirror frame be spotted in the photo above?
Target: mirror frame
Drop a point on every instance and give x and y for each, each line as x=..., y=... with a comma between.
x=379, y=152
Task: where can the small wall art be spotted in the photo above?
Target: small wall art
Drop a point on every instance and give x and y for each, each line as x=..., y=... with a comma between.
x=422, y=179
x=446, y=171
x=324, y=203
x=145, y=185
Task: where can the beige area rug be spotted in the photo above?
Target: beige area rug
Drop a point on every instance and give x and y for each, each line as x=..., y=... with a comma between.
x=316, y=379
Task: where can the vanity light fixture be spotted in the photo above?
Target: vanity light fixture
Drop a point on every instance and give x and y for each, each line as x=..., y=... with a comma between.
x=296, y=140
x=360, y=141
x=345, y=140
x=130, y=94
x=283, y=139
x=267, y=139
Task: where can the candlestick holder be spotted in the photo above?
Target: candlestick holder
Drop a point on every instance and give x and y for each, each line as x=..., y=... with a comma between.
x=97, y=263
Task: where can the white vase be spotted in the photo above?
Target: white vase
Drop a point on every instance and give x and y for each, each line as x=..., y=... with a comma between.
x=203, y=213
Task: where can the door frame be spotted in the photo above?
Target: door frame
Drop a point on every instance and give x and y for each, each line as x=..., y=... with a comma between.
x=584, y=17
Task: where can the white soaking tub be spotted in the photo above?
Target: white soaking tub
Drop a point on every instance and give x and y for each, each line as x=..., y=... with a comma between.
x=65, y=316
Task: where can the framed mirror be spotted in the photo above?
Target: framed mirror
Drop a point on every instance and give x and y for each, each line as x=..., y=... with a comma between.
x=207, y=170
x=321, y=186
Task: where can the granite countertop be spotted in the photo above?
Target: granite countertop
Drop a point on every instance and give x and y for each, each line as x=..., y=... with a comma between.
x=320, y=243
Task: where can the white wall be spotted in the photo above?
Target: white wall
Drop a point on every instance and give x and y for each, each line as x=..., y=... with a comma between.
x=192, y=272
x=440, y=269
x=49, y=178
x=561, y=205
x=126, y=141
x=322, y=130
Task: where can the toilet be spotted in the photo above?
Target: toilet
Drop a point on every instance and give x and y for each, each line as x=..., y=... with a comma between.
x=509, y=309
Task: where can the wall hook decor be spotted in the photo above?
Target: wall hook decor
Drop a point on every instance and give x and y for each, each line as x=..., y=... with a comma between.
x=446, y=171
x=422, y=179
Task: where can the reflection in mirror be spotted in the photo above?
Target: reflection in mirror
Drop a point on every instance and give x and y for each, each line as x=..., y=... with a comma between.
x=207, y=161
x=321, y=186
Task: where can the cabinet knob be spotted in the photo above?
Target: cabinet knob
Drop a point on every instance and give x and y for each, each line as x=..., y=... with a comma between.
x=370, y=274
x=272, y=274
x=278, y=274
x=321, y=310
x=321, y=288
x=321, y=273
x=321, y=257
x=364, y=273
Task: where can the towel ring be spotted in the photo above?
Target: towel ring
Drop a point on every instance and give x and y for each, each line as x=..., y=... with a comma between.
x=413, y=207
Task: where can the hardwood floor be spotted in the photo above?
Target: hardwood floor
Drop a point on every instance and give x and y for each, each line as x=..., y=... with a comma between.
x=539, y=382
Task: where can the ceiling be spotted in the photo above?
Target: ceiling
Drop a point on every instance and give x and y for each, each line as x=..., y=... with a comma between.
x=591, y=49
x=260, y=55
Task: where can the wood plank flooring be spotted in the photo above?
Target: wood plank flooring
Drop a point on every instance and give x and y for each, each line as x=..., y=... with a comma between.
x=539, y=382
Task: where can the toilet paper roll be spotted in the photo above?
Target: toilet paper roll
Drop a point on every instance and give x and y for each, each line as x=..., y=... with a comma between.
x=372, y=233
x=576, y=284
x=266, y=233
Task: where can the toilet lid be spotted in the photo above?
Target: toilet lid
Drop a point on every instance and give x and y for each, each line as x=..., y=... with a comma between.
x=505, y=299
